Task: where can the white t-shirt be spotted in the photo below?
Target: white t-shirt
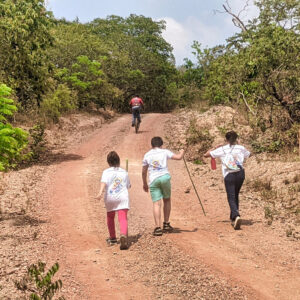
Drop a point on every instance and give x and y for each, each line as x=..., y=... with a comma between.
x=238, y=152
x=117, y=184
x=157, y=161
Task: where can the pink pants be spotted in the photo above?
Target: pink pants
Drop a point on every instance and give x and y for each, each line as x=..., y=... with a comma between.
x=122, y=215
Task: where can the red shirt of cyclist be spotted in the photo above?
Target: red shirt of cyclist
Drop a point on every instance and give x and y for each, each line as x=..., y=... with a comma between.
x=136, y=102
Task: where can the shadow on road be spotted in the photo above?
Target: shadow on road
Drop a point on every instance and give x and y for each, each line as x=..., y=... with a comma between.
x=132, y=239
x=56, y=158
x=20, y=219
x=51, y=158
x=178, y=230
x=142, y=131
x=245, y=222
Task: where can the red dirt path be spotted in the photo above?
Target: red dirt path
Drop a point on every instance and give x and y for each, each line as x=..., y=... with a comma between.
x=203, y=259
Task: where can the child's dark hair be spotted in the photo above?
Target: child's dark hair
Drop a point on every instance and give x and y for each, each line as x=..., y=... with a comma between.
x=156, y=142
x=113, y=159
x=231, y=137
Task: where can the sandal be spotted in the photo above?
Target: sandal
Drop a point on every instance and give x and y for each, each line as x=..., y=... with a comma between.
x=111, y=242
x=167, y=227
x=157, y=231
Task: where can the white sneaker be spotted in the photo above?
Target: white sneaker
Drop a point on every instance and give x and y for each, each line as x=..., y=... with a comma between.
x=237, y=223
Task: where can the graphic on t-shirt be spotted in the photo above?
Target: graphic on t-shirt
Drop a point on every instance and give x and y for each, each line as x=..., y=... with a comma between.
x=156, y=165
x=117, y=186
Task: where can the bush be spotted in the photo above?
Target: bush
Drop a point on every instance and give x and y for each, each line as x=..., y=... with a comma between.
x=37, y=142
x=40, y=283
x=61, y=100
x=12, y=140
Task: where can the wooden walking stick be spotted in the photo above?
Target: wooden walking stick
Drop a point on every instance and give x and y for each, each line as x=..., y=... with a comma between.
x=126, y=164
x=194, y=186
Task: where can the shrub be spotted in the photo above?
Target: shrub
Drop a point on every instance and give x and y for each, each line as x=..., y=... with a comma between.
x=40, y=283
x=37, y=142
x=12, y=140
x=61, y=100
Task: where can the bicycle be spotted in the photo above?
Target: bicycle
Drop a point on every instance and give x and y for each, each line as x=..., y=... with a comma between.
x=136, y=121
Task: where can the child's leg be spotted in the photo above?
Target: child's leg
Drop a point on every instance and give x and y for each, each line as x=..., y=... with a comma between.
x=157, y=213
x=122, y=215
x=240, y=177
x=111, y=224
x=230, y=190
x=167, y=209
x=166, y=192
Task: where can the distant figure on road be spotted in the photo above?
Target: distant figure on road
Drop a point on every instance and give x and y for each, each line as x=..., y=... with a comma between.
x=136, y=104
x=232, y=156
x=156, y=162
x=116, y=183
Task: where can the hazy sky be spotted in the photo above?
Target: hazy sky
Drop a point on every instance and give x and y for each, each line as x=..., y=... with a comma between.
x=187, y=20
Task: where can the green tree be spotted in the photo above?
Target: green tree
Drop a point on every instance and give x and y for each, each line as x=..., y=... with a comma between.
x=89, y=80
x=12, y=140
x=259, y=66
x=25, y=36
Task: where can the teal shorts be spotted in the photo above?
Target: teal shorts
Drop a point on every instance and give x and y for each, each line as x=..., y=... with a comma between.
x=161, y=188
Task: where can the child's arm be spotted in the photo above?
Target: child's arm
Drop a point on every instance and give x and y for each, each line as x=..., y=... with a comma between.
x=144, y=176
x=102, y=187
x=207, y=154
x=178, y=156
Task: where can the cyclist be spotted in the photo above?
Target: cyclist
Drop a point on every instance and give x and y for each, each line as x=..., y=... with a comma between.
x=136, y=104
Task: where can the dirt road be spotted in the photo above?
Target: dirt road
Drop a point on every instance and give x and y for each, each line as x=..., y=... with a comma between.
x=203, y=259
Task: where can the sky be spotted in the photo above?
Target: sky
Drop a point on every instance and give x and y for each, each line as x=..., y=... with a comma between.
x=186, y=20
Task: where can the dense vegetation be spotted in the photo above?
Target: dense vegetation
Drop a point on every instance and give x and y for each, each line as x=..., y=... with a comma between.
x=258, y=69
x=56, y=66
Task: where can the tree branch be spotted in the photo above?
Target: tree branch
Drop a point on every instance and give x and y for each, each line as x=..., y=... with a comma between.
x=245, y=101
x=236, y=19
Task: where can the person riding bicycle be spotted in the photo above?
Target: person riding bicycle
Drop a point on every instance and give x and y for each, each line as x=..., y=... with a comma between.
x=136, y=104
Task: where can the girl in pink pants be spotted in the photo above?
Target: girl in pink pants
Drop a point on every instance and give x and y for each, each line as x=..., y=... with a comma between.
x=122, y=216
x=115, y=182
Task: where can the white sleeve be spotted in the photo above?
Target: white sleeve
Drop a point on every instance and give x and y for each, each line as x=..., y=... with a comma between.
x=145, y=162
x=104, y=177
x=219, y=152
x=169, y=154
x=246, y=153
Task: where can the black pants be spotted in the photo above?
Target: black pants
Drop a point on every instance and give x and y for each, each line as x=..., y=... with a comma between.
x=233, y=184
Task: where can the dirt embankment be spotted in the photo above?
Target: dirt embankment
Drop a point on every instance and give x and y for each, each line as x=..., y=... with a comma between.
x=272, y=186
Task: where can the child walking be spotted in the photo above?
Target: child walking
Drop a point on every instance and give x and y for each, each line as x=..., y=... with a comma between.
x=115, y=182
x=232, y=157
x=156, y=162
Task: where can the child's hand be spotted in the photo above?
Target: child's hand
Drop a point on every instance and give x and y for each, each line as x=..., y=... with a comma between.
x=145, y=187
x=98, y=197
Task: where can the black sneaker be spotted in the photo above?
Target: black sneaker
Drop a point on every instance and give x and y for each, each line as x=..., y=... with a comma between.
x=111, y=242
x=123, y=242
x=157, y=231
x=167, y=227
x=237, y=223
x=132, y=125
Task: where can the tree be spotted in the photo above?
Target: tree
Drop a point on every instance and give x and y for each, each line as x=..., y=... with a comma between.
x=25, y=36
x=259, y=66
x=89, y=80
